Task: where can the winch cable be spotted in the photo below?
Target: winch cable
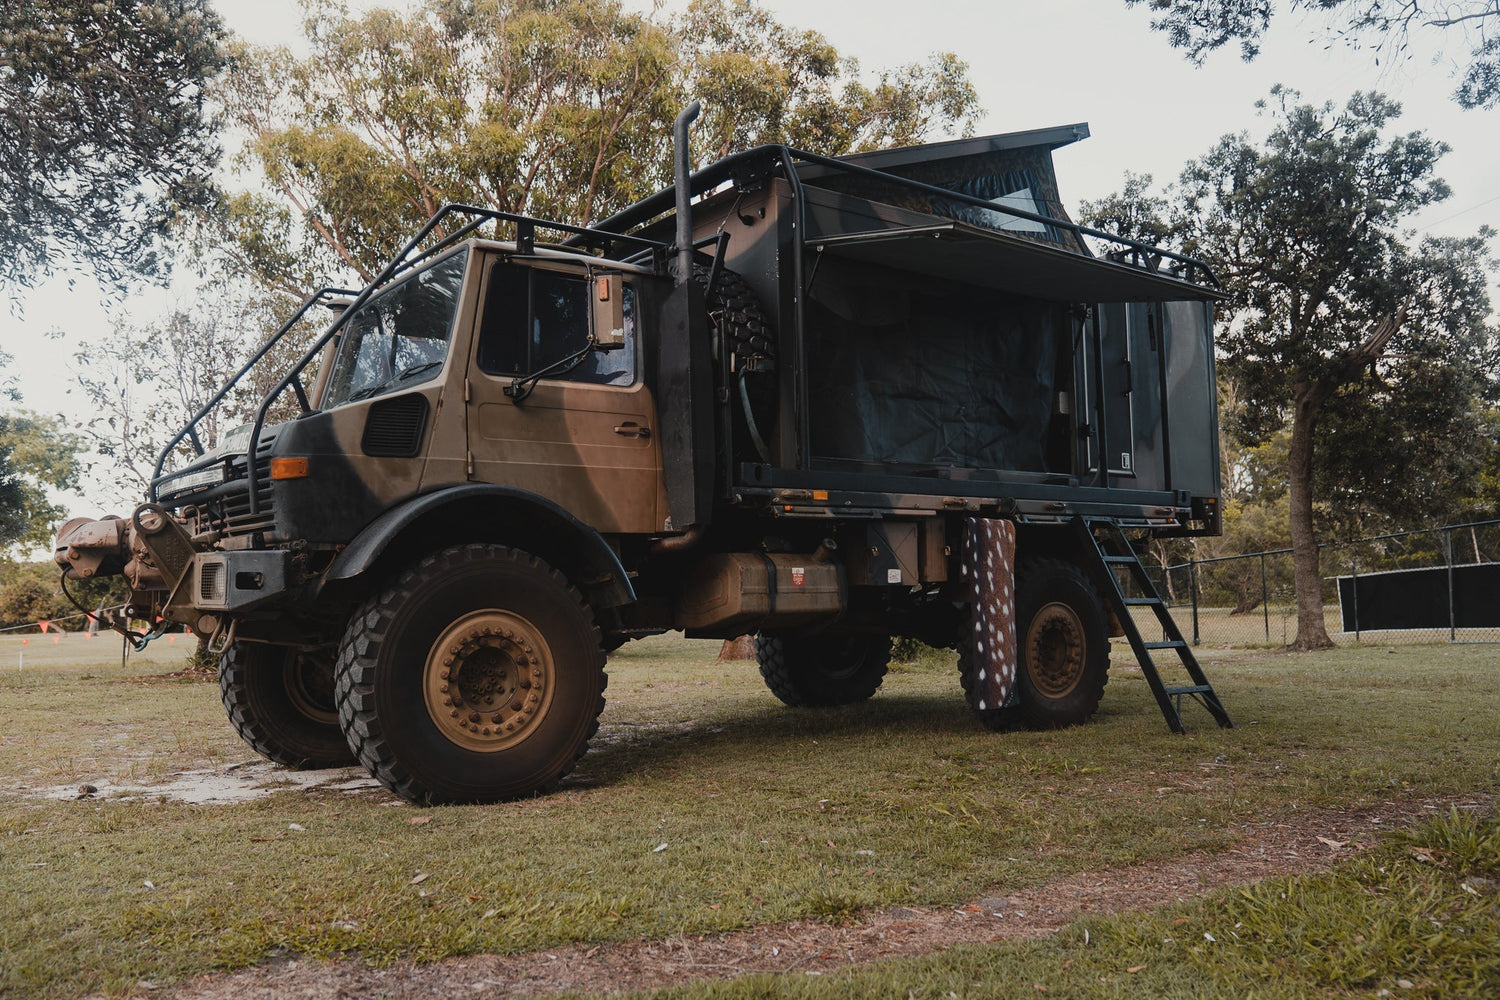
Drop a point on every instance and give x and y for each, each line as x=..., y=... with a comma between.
x=138, y=640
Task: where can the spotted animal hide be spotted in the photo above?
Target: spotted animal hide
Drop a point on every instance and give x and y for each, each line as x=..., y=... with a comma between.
x=989, y=571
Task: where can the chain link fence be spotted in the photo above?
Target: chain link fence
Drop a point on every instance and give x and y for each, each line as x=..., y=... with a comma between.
x=1436, y=585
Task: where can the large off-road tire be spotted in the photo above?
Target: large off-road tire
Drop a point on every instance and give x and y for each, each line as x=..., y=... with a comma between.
x=280, y=701
x=823, y=669
x=477, y=676
x=1062, y=635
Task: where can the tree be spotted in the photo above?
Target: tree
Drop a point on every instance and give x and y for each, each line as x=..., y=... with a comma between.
x=151, y=379
x=1202, y=26
x=1368, y=348
x=35, y=453
x=30, y=593
x=555, y=108
x=103, y=131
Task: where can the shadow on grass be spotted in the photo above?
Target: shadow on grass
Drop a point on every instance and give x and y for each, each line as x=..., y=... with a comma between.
x=757, y=738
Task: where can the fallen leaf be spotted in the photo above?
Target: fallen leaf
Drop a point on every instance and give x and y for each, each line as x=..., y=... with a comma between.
x=1406, y=984
x=659, y=848
x=149, y=885
x=421, y=877
x=420, y=820
x=1335, y=844
x=488, y=914
x=296, y=826
x=1134, y=969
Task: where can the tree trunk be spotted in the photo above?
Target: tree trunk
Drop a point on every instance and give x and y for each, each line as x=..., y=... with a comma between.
x=742, y=648
x=1311, y=632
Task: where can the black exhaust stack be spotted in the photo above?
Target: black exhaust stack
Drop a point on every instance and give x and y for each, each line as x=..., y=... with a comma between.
x=684, y=193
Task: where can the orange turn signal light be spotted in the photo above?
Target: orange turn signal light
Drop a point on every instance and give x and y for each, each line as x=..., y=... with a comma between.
x=288, y=468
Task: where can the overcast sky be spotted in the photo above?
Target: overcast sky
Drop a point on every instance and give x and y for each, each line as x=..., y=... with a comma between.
x=1035, y=64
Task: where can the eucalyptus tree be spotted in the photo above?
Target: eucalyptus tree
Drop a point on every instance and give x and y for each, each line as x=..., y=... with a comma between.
x=556, y=108
x=1375, y=353
x=105, y=132
x=1383, y=26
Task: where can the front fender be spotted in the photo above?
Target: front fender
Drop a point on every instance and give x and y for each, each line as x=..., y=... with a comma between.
x=482, y=512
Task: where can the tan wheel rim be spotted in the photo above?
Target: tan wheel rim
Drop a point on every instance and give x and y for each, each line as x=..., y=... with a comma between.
x=488, y=681
x=1055, y=651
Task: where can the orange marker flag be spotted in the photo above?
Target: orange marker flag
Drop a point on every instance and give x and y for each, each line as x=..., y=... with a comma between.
x=45, y=625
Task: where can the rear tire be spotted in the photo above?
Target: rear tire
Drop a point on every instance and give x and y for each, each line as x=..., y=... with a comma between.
x=477, y=676
x=1062, y=632
x=280, y=701
x=823, y=670
x=1062, y=640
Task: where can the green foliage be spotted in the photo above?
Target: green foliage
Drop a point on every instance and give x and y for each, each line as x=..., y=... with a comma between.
x=1385, y=26
x=29, y=593
x=35, y=453
x=560, y=110
x=105, y=131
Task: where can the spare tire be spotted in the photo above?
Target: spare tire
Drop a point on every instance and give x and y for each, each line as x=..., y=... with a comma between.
x=745, y=347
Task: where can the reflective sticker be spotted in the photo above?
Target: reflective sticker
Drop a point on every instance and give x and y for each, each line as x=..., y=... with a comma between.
x=893, y=576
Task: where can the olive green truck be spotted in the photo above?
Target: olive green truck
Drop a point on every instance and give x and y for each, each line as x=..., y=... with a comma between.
x=826, y=401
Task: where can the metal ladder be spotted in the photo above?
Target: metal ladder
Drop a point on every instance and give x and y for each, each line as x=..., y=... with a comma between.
x=1106, y=540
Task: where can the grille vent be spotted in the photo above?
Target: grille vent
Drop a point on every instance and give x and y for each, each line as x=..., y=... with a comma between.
x=394, y=427
x=210, y=583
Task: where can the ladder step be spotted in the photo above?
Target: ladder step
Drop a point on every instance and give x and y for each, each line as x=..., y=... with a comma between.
x=1123, y=560
x=1191, y=689
x=1171, y=644
x=1141, y=602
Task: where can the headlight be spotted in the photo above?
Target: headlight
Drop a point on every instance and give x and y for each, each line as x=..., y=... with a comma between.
x=211, y=476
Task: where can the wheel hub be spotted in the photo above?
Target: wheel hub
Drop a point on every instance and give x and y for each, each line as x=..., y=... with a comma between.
x=488, y=681
x=309, y=686
x=1055, y=650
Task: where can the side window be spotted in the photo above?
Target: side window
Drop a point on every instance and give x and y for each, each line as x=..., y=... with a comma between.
x=534, y=318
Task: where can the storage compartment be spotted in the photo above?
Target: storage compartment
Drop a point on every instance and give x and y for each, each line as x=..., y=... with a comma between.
x=732, y=593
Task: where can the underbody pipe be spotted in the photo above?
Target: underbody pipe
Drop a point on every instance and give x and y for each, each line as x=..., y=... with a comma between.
x=679, y=543
x=684, y=192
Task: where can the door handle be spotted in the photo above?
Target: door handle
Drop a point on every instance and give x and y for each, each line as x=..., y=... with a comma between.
x=631, y=429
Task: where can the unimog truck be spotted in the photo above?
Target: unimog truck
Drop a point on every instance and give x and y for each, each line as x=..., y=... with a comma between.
x=827, y=401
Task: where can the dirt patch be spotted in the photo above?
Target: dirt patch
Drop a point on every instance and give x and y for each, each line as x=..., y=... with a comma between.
x=224, y=786
x=1308, y=842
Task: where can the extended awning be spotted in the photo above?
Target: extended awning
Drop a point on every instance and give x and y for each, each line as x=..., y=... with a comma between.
x=989, y=258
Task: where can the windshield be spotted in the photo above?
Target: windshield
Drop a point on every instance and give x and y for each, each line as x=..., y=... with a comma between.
x=398, y=338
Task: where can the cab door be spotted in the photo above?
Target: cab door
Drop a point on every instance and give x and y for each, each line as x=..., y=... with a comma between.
x=552, y=414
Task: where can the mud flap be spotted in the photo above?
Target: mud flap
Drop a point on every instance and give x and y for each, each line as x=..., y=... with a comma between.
x=989, y=574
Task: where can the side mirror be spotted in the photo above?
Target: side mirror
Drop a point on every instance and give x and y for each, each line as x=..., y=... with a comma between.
x=609, y=312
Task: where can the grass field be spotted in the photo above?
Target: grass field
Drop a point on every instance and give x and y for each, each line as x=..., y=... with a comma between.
x=765, y=813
